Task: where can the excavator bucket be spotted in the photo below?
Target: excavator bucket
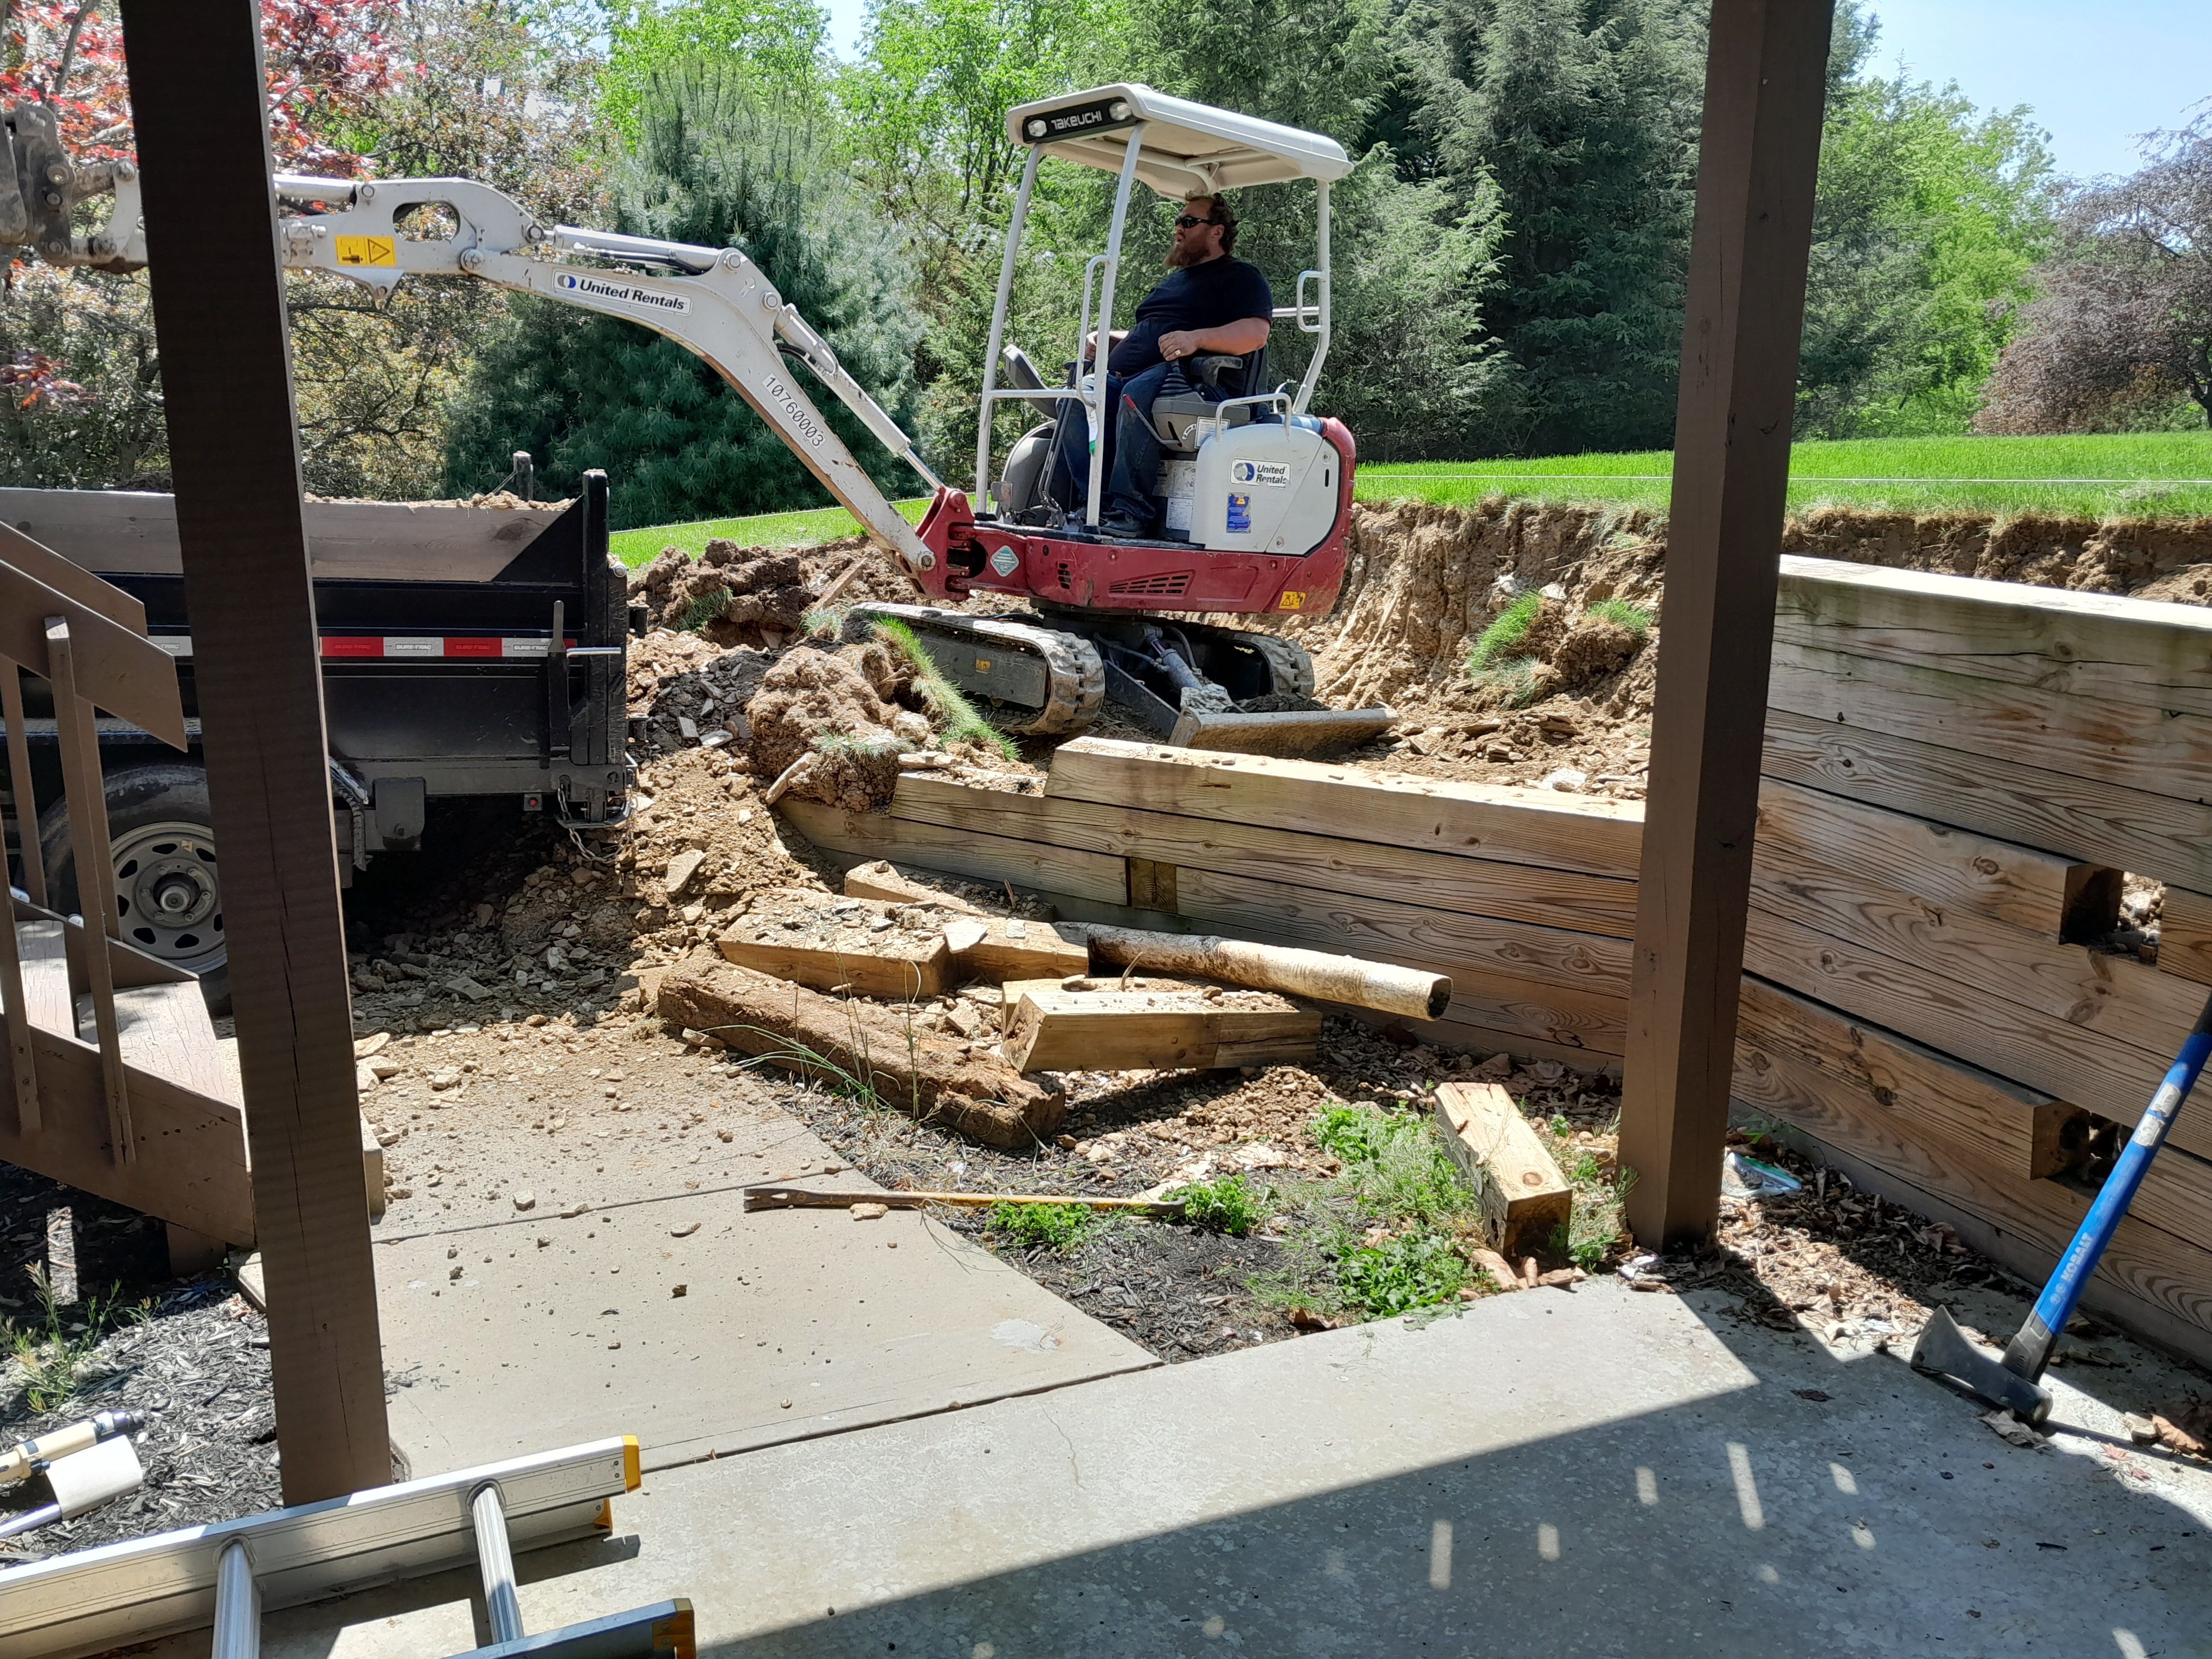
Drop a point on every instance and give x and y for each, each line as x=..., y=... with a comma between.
x=1299, y=733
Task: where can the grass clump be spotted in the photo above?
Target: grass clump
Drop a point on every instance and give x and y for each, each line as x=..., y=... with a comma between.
x=50, y=1349
x=1231, y=1205
x=1059, y=1228
x=955, y=716
x=1620, y=612
x=1598, y=1227
x=1384, y=1237
x=703, y=609
x=1499, y=643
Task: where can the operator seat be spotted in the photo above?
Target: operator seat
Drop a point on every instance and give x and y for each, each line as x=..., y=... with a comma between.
x=1178, y=416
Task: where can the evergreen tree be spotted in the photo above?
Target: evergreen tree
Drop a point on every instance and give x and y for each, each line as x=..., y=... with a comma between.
x=716, y=165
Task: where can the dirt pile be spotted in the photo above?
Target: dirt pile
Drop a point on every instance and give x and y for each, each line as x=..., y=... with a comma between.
x=831, y=711
x=731, y=595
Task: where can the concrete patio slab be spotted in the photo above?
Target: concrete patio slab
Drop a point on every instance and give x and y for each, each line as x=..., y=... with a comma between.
x=1598, y=1473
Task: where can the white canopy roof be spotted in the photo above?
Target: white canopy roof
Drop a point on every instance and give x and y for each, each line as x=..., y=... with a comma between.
x=1188, y=148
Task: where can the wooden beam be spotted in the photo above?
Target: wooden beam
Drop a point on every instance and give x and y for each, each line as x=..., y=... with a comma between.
x=2099, y=645
x=1766, y=76
x=2184, y=934
x=1541, y=827
x=196, y=95
x=960, y=853
x=1524, y=1197
x=1152, y=1024
x=2097, y=822
x=1955, y=869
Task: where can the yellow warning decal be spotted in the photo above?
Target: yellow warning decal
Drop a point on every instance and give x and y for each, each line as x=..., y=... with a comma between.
x=982, y=665
x=367, y=250
x=1293, y=601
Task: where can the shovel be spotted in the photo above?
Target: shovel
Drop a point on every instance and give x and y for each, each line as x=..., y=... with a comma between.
x=2014, y=1381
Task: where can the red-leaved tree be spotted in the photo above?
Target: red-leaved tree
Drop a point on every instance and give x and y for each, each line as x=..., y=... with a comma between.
x=326, y=59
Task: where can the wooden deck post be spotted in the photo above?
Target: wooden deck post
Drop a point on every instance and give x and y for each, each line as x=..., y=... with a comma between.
x=197, y=96
x=1765, y=77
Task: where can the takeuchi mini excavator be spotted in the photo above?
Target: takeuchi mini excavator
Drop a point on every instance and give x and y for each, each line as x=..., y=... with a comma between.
x=1257, y=489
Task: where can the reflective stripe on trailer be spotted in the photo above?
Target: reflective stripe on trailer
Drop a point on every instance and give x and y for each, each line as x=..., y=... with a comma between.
x=444, y=648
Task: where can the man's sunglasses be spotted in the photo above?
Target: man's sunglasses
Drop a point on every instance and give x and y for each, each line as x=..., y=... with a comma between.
x=1184, y=222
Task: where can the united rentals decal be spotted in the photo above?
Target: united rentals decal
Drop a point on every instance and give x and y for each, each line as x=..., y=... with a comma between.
x=628, y=293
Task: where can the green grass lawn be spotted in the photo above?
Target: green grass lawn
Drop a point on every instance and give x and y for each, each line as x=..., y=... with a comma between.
x=2152, y=474
x=2155, y=474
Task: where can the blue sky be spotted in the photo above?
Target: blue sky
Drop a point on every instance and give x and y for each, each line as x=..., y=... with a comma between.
x=2097, y=72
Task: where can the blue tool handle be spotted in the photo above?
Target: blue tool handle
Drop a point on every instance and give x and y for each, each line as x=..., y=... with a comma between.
x=2030, y=1351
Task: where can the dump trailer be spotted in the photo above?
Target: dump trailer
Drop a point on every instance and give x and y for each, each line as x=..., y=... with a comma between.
x=467, y=651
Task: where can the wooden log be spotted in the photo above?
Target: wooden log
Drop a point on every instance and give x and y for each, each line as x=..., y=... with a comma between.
x=830, y=944
x=1525, y=1199
x=856, y=1044
x=1539, y=827
x=2160, y=750
x=2145, y=652
x=985, y=857
x=1002, y=948
x=2126, y=1000
x=2040, y=892
x=2185, y=935
x=1334, y=862
x=878, y=879
x=2099, y=823
x=1154, y=1024
x=1329, y=978
x=2069, y=1062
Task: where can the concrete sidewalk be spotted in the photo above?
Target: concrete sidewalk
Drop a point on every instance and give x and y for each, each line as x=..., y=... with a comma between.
x=1598, y=1473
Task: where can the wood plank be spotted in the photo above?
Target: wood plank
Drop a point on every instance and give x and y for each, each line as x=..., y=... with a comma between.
x=1911, y=1088
x=1512, y=825
x=1000, y=948
x=1332, y=862
x=2040, y=892
x=2149, y=1278
x=1156, y=1024
x=2185, y=935
x=1525, y=1199
x=829, y=944
x=41, y=563
x=2068, y=1062
x=2117, y=743
x=2160, y=836
x=165, y=1029
x=983, y=857
x=197, y=98
x=1471, y=1037
x=878, y=880
x=46, y=992
x=2146, y=652
x=115, y=530
x=2127, y=1001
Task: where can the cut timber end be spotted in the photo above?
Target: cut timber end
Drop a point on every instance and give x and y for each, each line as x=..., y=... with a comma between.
x=878, y=879
x=1524, y=1197
x=994, y=949
x=2184, y=934
x=1157, y=1029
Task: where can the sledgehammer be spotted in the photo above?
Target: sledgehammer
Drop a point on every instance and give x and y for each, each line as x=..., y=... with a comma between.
x=2013, y=1382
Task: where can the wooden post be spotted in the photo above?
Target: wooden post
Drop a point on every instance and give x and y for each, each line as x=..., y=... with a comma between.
x=197, y=96
x=1765, y=77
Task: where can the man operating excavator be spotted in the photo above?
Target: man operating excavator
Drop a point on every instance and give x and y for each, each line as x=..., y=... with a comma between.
x=1210, y=304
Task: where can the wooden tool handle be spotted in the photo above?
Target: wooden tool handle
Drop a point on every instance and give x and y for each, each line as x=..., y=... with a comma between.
x=801, y=1197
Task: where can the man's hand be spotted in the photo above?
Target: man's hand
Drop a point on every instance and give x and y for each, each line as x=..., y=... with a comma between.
x=1090, y=343
x=1184, y=343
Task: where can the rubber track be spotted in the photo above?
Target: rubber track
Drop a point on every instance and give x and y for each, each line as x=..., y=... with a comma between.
x=1290, y=666
x=1075, y=676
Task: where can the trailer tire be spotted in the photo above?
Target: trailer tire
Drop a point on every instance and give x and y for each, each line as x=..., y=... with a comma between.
x=160, y=828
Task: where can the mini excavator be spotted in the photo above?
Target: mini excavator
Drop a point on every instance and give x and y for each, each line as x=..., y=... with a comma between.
x=1258, y=490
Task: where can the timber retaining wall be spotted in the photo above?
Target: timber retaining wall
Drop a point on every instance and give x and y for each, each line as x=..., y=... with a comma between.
x=1956, y=772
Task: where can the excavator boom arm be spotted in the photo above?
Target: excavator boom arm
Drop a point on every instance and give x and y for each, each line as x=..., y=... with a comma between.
x=713, y=303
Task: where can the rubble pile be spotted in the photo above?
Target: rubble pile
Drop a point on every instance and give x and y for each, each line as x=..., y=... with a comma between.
x=731, y=595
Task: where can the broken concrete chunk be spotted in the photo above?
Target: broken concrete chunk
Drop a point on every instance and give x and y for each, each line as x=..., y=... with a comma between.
x=364, y=1078
x=525, y=1200
x=373, y=1045
x=684, y=1231
x=871, y=1211
x=446, y=1079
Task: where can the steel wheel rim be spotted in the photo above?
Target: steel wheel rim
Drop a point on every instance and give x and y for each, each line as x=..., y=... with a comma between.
x=167, y=896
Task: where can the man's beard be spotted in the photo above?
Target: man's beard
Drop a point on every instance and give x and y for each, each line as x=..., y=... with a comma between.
x=1179, y=256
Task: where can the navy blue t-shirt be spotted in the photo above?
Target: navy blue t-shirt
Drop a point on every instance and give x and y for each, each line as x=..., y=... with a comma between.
x=1209, y=296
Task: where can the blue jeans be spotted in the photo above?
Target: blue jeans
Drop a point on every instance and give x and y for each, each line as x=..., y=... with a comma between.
x=1132, y=448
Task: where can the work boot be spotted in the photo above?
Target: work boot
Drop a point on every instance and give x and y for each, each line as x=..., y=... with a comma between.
x=1124, y=527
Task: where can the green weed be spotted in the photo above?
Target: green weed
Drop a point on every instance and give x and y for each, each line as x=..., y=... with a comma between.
x=1230, y=1204
x=1597, y=1229
x=50, y=1349
x=1633, y=617
x=703, y=609
x=955, y=716
x=1498, y=643
x=1353, y=1134
x=1402, y=1273
x=1060, y=1228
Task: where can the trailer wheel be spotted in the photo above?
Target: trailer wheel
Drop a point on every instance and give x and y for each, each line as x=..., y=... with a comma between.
x=166, y=890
